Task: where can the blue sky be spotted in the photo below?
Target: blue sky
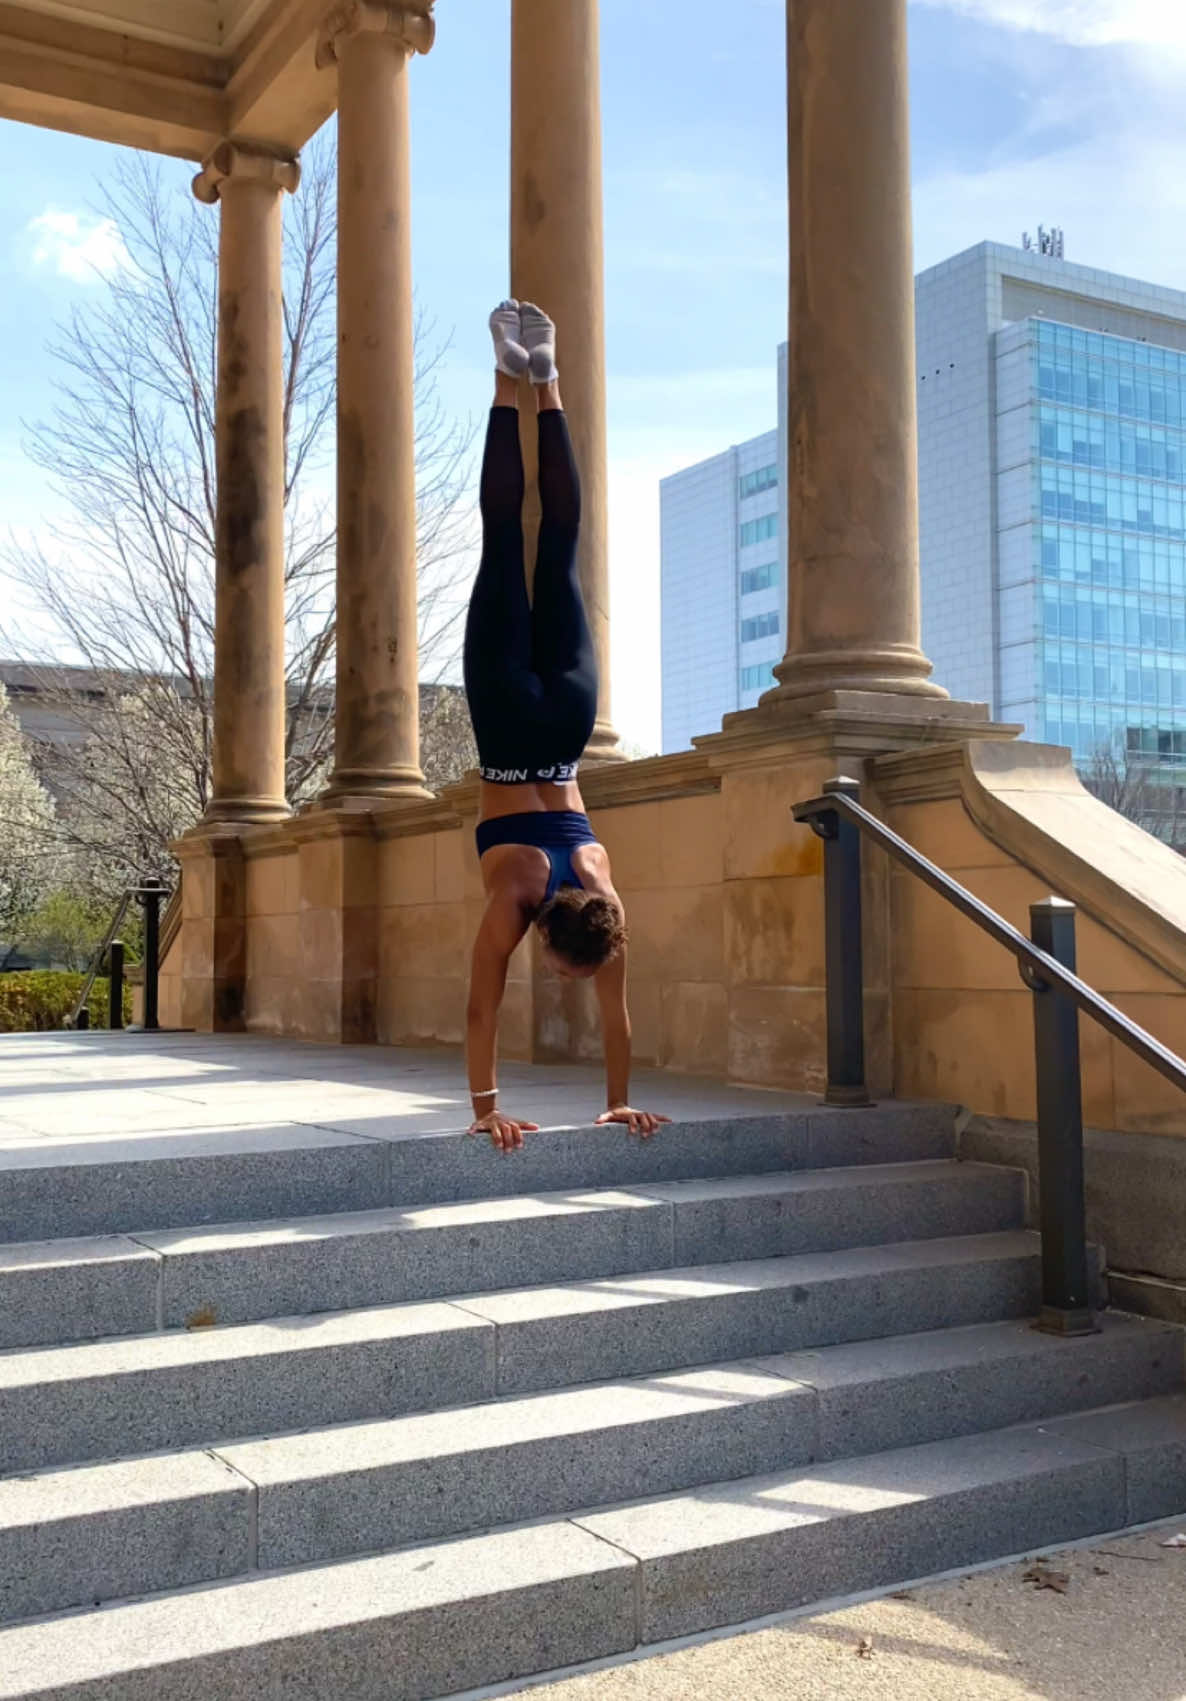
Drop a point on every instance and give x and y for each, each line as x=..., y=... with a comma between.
x=1024, y=111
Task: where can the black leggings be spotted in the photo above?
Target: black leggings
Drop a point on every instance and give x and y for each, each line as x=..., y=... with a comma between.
x=530, y=669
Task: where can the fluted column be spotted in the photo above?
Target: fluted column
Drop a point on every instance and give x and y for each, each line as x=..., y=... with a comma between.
x=557, y=261
x=853, y=600
x=377, y=736
x=249, y=696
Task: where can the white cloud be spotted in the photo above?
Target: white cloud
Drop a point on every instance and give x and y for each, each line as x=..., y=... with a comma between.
x=1158, y=24
x=77, y=246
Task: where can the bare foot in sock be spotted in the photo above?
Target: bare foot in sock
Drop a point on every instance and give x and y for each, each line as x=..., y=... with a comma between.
x=509, y=354
x=539, y=339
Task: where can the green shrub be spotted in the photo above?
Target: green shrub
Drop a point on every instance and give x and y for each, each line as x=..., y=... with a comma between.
x=39, y=1001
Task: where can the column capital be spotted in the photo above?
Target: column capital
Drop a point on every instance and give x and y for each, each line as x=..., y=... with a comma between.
x=410, y=23
x=232, y=162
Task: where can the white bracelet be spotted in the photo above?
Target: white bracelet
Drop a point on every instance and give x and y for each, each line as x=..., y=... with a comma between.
x=492, y=1094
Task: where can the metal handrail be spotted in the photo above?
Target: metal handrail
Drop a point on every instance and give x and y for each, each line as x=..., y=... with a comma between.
x=150, y=894
x=92, y=973
x=1047, y=963
x=1034, y=963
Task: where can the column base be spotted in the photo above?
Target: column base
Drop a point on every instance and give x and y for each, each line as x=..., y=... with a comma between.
x=366, y=787
x=869, y=723
x=245, y=812
x=604, y=746
x=898, y=670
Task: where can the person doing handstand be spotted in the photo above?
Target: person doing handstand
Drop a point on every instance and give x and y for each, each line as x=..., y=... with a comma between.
x=531, y=681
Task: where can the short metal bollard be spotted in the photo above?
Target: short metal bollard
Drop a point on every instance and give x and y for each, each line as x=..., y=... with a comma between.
x=115, y=988
x=842, y=945
x=1066, y=1285
x=151, y=894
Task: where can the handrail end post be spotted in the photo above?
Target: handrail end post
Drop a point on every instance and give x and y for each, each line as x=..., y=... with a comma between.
x=1066, y=1283
x=1067, y=1321
x=844, y=978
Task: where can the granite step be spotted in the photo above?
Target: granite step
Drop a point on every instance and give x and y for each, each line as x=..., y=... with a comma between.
x=432, y=1620
x=148, y=1393
x=59, y=1291
x=100, y=1184
x=69, y=1538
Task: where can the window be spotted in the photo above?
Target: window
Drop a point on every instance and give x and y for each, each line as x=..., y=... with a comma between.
x=755, y=678
x=759, y=578
x=766, y=478
x=762, y=626
x=759, y=531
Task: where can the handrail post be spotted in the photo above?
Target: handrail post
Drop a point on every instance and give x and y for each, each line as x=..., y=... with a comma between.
x=151, y=896
x=1066, y=1288
x=115, y=987
x=844, y=966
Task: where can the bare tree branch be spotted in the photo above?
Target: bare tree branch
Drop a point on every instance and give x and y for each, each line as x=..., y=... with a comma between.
x=123, y=581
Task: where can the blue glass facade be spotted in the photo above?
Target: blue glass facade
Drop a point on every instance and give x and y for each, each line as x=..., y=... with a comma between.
x=1110, y=473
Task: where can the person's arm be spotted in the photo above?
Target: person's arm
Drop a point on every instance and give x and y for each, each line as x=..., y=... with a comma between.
x=501, y=930
x=615, y=1029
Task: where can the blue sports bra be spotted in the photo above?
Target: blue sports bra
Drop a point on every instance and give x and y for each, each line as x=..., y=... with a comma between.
x=557, y=832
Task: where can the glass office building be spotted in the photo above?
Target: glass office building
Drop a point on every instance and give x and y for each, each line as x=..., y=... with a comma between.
x=1110, y=544
x=1052, y=479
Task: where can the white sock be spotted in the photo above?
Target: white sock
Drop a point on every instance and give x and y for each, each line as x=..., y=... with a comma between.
x=539, y=339
x=509, y=354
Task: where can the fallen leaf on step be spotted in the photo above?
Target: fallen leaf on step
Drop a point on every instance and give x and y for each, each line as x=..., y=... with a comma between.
x=206, y=1318
x=1175, y=1541
x=865, y=1648
x=1101, y=1570
x=1041, y=1578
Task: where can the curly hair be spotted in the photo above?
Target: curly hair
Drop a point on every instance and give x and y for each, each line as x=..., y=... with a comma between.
x=585, y=928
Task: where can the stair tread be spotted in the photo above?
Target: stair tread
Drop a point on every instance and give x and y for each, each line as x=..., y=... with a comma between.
x=269, y=1626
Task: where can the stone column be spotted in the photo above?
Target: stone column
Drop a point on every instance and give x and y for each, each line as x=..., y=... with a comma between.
x=853, y=603
x=249, y=697
x=377, y=741
x=557, y=261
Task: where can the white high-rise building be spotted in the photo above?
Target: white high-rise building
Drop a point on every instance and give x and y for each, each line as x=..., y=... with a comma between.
x=1052, y=482
x=724, y=583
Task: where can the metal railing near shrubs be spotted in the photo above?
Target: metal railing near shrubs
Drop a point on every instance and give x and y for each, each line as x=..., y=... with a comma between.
x=1046, y=962
x=111, y=952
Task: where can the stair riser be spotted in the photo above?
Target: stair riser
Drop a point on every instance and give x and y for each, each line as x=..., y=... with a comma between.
x=184, y=1192
x=58, y=1423
x=297, y=1279
x=728, y=1584
x=716, y=1231
x=80, y=1301
x=436, y=1498
x=437, y=1171
x=135, y=1550
x=541, y=1353
x=393, y=1656
x=934, y=1405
